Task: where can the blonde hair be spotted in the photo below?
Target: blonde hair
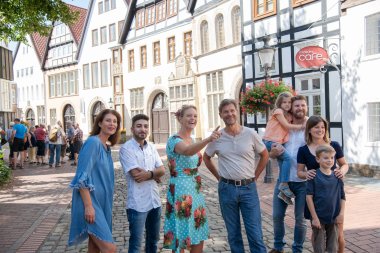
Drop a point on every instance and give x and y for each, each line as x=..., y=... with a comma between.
x=181, y=111
x=312, y=122
x=280, y=98
x=324, y=149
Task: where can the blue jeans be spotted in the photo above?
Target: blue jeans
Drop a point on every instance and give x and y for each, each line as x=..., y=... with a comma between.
x=57, y=149
x=279, y=209
x=137, y=221
x=284, y=162
x=233, y=200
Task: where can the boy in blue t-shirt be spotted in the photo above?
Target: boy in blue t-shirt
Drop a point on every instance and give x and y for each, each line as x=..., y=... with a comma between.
x=326, y=201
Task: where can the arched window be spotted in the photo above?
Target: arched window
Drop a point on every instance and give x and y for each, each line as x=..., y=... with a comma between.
x=30, y=117
x=236, y=25
x=219, y=29
x=96, y=109
x=204, y=37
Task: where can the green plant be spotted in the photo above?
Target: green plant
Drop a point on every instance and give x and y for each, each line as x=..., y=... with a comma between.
x=5, y=173
x=262, y=96
x=123, y=136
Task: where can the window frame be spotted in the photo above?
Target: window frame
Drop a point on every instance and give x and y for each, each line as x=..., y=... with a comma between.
x=162, y=5
x=266, y=13
x=140, y=19
x=367, y=38
x=372, y=124
x=143, y=53
x=152, y=10
x=187, y=40
x=102, y=73
x=156, y=47
x=236, y=27
x=93, y=84
x=131, y=60
x=219, y=31
x=205, y=42
x=175, y=10
x=88, y=77
x=170, y=44
x=111, y=39
x=96, y=33
x=103, y=31
x=296, y=3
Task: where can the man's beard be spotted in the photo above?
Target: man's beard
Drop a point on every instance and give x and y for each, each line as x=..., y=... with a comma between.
x=300, y=114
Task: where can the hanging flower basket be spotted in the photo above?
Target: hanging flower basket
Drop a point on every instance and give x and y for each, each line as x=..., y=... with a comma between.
x=262, y=96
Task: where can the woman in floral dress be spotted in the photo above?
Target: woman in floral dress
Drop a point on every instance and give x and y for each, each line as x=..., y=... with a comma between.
x=186, y=221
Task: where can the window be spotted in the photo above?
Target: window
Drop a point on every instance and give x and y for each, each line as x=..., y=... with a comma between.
x=113, y=4
x=204, y=37
x=171, y=49
x=236, y=24
x=160, y=11
x=58, y=85
x=103, y=35
x=100, y=8
x=106, y=5
x=137, y=101
x=94, y=75
x=53, y=117
x=188, y=44
x=120, y=26
x=372, y=37
x=263, y=8
x=86, y=76
x=219, y=28
x=116, y=56
x=95, y=40
x=72, y=82
x=104, y=73
x=143, y=58
x=374, y=122
x=149, y=15
x=31, y=70
x=51, y=87
x=41, y=114
x=311, y=87
x=296, y=3
x=215, y=94
x=117, y=81
x=112, y=31
x=156, y=53
x=140, y=19
x=172, y=7
x=18, y=73
x=26, y=71
x=64, y=84
x=131, y=61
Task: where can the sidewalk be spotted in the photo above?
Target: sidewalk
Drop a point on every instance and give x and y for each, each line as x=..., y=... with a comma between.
x=35, y=212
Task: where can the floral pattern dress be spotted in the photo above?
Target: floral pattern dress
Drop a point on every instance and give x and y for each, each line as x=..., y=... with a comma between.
x=186, y=221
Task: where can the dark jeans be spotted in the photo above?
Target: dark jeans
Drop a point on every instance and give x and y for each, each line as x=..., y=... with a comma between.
x=137, y=222
x=279, y=209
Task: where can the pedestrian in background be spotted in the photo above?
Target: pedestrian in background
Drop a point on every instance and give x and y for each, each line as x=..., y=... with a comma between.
x=93, y=186
x=8, y=136
x=143, y=169
x=326, y=201
x=186, y=221
x=47, y=152
x=56, y=138
x=32, y=145
x=238, y=172
x=18, y=136
x=316, y=134
x=40, y=134
x=69, y=137
x=77, y=142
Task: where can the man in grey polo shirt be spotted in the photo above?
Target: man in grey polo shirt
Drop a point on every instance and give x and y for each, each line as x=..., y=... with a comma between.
x=237, y=149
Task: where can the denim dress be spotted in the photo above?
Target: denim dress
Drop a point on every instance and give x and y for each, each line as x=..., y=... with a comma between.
x=186, y=220
x=95, y=172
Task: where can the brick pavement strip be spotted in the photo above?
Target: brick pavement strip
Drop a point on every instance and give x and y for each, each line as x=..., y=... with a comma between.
x=36, y=218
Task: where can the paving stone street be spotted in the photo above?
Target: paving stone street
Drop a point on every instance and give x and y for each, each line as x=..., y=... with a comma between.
x=35, y=212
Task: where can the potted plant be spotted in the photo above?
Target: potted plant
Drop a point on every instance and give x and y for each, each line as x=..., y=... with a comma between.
x=262, y=97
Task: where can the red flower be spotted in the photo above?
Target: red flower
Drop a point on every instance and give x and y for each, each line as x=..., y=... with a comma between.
x=168, y=238
x=172, y=188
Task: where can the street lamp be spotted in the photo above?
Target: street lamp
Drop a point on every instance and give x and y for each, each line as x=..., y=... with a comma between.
x=266, y=54
x=110, y=103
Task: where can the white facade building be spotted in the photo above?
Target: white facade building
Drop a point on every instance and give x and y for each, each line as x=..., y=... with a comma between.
x=104, y=22
x=30, y=79
x=360, y=29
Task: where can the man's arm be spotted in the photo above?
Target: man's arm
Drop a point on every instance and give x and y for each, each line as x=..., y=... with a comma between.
x=264, y=157
x=211, y=165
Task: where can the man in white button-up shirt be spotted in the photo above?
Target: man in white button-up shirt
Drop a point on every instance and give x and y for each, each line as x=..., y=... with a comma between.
x=143, y=168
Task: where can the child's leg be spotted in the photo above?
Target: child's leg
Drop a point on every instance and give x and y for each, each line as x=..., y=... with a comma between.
x=318, y=239
x=331, y=238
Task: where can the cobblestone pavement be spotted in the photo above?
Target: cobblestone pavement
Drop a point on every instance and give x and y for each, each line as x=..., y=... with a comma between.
x=35, y=213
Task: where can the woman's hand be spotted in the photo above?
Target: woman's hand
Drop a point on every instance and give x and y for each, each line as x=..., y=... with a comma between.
x=89, y=214
x=215, y=134
x=310, y=174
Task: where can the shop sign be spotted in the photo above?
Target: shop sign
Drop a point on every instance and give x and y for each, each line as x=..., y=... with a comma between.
x=312, y=57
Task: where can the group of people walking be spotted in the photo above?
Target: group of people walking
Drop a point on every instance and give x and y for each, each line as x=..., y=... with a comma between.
x=33, y=144
x=311, y=172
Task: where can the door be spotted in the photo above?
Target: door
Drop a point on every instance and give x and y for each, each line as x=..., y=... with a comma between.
x=160, y=118
x=68, y=115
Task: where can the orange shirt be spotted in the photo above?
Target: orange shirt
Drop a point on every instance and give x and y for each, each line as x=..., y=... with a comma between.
x=275, y=131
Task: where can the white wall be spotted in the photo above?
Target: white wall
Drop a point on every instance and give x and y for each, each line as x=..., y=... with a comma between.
x=360, y=85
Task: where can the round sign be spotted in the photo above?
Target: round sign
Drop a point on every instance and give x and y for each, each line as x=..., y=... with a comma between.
x=312, y=57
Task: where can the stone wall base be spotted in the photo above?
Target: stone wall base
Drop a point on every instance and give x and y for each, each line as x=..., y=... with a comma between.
x=364, y=170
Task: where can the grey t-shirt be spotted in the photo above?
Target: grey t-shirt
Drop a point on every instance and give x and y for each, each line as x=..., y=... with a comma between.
x=237, y=155
x=296, y=140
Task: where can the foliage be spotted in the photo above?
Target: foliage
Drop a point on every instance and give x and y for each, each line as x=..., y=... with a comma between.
x=5, y=173
x=123, y=136
x=258, y=98
x=19, y=18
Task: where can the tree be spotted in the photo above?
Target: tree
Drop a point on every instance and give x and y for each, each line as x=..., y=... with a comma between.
x=19, y=18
